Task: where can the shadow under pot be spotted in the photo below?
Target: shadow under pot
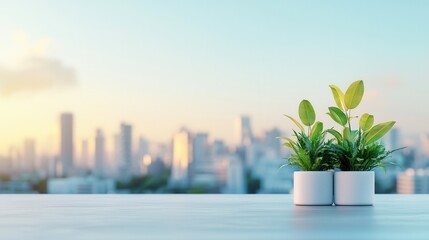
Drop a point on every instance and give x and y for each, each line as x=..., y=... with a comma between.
x=313, y=188
x=354, y=188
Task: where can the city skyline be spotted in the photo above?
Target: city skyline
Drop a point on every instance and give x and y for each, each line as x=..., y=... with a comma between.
x=171, y=71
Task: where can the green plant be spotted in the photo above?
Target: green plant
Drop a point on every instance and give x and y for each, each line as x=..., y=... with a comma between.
x=310, y=150
x=360, y=149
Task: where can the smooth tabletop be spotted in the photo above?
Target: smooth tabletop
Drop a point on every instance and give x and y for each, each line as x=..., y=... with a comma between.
x=208, y=217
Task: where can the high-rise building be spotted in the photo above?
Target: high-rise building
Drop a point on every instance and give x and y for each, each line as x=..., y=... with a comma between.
x=394, y=138
x=243, y=131
x=218, y=148
x=182, y=158
x=125, y=151
x=142, y=152
x=236, y=181
x=99, y=154
x=30, y=154
x=84, y=157
x=413, y=181
x=272, y=142
x=67, y=144
x=200, y=148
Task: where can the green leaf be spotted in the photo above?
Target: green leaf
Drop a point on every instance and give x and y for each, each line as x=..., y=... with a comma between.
x=337, y=115
x=316, y=130
x=354, y=94
x=366, y=121
x=347, y=134
x=296, y=122
x=306, y=113
x=336, y=134
x=287, y=139
x=338, y=96
x=378, y=131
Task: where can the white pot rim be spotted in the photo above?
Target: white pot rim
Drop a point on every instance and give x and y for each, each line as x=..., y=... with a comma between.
x=354, y=172
x=313, y=172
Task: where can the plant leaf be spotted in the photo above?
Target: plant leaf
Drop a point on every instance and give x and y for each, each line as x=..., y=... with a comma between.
x=337, y=115
x=296, y=122
x=336, y=134
x=354, y=94
x=316, y=130
x=306, y=113
x=286, y=139
x=347, y=134
x=366, y=121
x=338, y=96
x=378, y=131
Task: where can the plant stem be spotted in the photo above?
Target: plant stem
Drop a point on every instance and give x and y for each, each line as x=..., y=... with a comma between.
x=348, y=120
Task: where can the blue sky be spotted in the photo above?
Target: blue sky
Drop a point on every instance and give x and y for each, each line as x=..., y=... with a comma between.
x=163, y=64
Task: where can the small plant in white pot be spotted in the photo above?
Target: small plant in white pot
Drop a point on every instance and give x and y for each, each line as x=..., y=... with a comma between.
x=313, y=185
x=357, y=151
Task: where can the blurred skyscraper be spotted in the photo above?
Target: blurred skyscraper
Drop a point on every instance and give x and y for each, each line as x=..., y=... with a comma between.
x=142, y=151
x=243, y=131
x=272, y=142
x=236, y=180
x=99, y=154
x=30, y=155
x=67, y=144
x=394, y=138
x=413, y=181
x=218, y=148
x=200, y=149
x=182, y=158
x=125, y=152
x=84, y=158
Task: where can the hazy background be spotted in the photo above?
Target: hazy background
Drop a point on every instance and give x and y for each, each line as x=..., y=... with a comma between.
x=164, y=64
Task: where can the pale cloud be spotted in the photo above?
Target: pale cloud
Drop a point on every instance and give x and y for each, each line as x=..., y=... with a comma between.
x=36, y=74
x=35, y=71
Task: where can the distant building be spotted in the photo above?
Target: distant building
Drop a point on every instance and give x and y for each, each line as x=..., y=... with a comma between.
x=67, y=144
x=100, y=154
x=272, y=142
x=218, y=148
x=200, y=150
x=125, y=152
x=84, y=157
x=413, y=181
x=80, y=185
x=243, y=131
x=236, y=178
x=273, y=179
x=182, y=158
x=142, y=150
x=30, y=155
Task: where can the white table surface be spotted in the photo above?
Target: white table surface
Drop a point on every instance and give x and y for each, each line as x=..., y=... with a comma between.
x=207, y=217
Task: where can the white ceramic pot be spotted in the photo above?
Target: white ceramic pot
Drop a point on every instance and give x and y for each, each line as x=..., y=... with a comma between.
x=313, y=188
x=354, y=188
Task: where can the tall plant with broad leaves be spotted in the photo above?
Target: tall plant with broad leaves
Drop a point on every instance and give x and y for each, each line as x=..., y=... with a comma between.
x=310, y=150
x=359, y=149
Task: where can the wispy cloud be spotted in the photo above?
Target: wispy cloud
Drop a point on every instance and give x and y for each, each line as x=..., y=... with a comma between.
x=36, y=74
x=35, y=71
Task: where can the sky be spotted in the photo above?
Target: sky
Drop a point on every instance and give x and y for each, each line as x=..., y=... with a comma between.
x=161, y=65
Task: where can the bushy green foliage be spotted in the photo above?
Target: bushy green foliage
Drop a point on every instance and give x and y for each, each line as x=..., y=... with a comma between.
x=311, y=152
x=349, y=150
x=354, y=155
x=357, y=150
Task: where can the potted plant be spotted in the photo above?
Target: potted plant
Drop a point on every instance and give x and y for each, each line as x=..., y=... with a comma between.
x=313, y=185
x=358, y=151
